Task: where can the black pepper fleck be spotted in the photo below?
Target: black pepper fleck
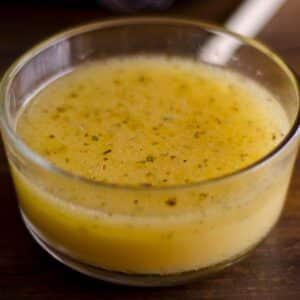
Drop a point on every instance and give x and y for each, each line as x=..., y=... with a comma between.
x=218, y=121
x=61, y=109
x=107, y=151
x=171, y=201
x=197, y=134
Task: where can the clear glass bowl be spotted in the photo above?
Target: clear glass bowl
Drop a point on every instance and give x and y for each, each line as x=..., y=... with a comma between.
x=63, y=211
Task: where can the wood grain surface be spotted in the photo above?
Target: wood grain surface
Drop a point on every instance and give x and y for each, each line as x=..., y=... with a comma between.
x=28, y=273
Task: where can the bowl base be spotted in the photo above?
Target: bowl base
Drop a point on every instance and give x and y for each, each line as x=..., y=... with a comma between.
x=141, y=280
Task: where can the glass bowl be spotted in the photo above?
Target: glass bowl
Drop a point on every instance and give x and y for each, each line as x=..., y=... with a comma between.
x=65, y=213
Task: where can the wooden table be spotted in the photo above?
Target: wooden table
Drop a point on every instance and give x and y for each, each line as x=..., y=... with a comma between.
x=27, y=272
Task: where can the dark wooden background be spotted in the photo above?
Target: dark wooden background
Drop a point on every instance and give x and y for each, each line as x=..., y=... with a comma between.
x=27, y=272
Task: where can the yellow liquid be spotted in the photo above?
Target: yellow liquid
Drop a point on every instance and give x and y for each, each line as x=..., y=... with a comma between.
x=152, y=121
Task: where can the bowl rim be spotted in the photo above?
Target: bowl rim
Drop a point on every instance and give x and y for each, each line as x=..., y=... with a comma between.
x=40, y=161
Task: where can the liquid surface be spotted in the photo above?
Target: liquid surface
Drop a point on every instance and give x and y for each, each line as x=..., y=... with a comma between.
x=152, y=121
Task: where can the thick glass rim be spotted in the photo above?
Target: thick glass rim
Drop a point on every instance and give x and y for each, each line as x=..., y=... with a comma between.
x=41, y=162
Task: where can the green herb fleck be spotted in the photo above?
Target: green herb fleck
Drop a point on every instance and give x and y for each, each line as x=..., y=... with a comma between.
x=95, y=138
x=141, y=161
x=203, y=196
x=142, y=79
x=170, y=235
x=243, y=156
x=150, y=158
x=182, y=86
x=61, y=109
x=73, y=95
x=55, y=116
